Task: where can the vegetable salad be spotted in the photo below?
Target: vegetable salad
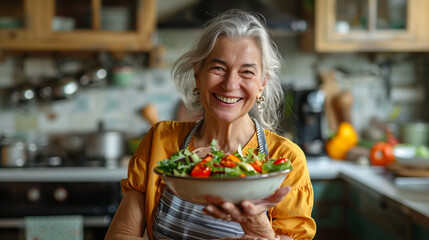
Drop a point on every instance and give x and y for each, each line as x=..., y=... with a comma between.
x=220, y=164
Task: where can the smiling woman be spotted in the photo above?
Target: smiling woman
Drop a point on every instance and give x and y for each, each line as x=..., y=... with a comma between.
x=230, y=79
x=231, y=76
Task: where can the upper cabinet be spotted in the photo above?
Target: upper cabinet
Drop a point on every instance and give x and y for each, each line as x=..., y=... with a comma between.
x=371, y=25
x=88, y=25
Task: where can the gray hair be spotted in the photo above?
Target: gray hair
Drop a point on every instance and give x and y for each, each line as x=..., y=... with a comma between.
x=234, y=24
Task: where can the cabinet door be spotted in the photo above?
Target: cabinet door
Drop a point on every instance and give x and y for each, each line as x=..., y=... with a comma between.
x=88, y=25
x=372, y=216
x=100, y=24
x=329, y=209
x=17, y=21
x=371, y=25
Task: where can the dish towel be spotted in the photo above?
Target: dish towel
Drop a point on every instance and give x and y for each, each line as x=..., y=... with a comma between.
x=68, y=227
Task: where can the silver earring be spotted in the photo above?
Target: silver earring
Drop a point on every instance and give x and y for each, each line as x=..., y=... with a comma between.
x=261, y=103
x=196, y=93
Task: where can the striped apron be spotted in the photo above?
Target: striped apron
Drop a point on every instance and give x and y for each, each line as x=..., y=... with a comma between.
x=176, y=218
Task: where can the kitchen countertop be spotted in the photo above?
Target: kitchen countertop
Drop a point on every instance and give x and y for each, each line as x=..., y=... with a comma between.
x=375, y=181
x=63, y=174
x=371, y=179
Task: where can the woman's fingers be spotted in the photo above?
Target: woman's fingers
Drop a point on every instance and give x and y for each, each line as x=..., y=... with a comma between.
x=216, y=212
x=228, y=211
x=279, y=194
x=259, y=206
x=275, y=198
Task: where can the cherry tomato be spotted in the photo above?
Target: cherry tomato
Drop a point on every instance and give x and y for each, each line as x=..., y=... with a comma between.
x=257, y=165
x=281, y=160
x=381, y=154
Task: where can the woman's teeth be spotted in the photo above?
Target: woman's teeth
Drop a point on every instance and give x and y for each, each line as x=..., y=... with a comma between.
x=227, y=100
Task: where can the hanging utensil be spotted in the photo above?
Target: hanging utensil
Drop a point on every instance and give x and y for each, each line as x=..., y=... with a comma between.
x=66, y=86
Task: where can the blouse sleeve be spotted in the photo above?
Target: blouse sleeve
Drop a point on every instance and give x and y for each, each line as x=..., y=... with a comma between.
x=292, y=216
x=138, y=165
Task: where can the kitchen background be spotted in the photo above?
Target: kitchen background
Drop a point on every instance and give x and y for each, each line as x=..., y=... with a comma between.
x=118, y=105
x=129, y=84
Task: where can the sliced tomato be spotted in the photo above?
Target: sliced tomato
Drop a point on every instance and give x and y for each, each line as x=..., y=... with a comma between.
x=257, y=165
x=232, y=158
x=201, y=169
x=227, y=163
x=280, y=160
x=381, y=154
x=207, y=159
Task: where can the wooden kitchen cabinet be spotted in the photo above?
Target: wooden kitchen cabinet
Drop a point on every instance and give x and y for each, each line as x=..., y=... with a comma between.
x=371, y=25
x=82, y=25
x=13, y=26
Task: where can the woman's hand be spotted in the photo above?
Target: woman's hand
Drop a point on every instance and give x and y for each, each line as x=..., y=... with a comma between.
x=250, y=214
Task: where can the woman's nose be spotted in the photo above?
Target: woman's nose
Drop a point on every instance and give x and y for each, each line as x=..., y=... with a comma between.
x=231, y=81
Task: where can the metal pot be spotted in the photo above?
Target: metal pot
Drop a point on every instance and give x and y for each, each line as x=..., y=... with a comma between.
x=13, y=153
x=106, y=145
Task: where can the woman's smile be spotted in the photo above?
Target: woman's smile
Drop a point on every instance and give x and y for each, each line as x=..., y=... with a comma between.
x=227, y=100
x=230, y=79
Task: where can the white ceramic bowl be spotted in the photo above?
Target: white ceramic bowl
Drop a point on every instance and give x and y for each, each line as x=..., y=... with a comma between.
x=232, y=189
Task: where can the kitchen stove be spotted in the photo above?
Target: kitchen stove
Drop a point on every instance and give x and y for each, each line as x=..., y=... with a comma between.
x=91, y=192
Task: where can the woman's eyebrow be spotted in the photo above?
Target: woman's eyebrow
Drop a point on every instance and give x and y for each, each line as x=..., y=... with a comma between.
x=249, y=65
x=217, y=60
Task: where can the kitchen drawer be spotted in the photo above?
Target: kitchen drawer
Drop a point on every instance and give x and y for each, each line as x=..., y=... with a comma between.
x=377, y=218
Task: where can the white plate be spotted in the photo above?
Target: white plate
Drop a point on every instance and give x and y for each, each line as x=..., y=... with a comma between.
x=414, y=162
x=405, y=154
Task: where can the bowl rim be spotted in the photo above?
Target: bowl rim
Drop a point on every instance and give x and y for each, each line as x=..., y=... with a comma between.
x=254, y=177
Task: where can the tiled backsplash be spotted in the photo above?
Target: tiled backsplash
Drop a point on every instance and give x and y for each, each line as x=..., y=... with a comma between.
x=119, y=108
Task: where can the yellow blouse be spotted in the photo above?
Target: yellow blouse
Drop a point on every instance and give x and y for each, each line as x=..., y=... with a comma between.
x=292, y=216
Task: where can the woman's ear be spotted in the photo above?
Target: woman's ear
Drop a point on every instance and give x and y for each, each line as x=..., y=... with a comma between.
x=196, y=78
x=264, y=83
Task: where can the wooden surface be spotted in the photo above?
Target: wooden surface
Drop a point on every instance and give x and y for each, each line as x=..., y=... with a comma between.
x=407, y=171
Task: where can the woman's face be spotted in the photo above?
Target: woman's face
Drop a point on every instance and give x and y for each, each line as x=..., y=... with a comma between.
x=230, y=78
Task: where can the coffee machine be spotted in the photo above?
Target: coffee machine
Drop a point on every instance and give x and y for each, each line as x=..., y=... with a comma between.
x=308, y=108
